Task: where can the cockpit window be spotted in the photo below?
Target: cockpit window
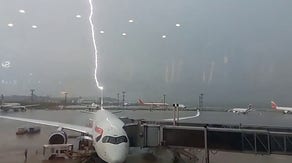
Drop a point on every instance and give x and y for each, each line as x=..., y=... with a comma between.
x=114, y=140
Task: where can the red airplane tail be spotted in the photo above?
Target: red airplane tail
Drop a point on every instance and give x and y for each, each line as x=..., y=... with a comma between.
x=140, y=101
x=274, y=105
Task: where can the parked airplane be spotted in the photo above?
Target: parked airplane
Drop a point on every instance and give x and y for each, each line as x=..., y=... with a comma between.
x=156, y=104
x=107, y=134
x=88, y=108
x=93, y=106
x=14, y=106
x=182, y=106
x=241, y=110
x=284, y=109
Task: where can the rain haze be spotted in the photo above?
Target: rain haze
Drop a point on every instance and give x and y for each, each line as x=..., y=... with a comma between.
x=235, y=52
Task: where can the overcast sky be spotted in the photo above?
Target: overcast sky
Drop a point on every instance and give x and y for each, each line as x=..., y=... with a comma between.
x=233, y=51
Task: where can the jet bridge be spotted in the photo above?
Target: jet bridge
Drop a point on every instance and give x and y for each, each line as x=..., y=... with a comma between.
x=256, y=140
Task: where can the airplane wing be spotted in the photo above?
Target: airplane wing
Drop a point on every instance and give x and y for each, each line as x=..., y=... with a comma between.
x=16, y=107
x=116, y=112
x=81, y=129
x=93, y=112
x=31, y=105
x=183, y=118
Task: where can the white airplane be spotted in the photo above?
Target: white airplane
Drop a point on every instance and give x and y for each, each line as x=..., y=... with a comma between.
x=90, y=107
x=284, y=109
x=109, y=139
x=182, y=106
x=14, y=106
x=141, y=102
x=241, y=110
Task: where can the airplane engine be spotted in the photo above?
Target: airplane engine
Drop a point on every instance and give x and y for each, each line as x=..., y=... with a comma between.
x=84, y=141
x=84, y=138
x=59, y=137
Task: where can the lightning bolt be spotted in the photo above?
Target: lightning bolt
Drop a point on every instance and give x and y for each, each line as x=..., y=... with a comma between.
x=94, y=44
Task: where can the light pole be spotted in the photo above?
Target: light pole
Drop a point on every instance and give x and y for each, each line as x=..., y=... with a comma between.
x=124, y=94
x=118, y=99
x=174, y=114
x=65, y=94
x=66, y=98
x=2, y=99
x=201, y=101
x=101, y=94
x=164, y=101
x=32, y=91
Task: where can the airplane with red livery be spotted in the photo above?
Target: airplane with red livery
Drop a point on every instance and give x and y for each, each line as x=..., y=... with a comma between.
x=284, y=109
x=156, y=104
x=107, y=134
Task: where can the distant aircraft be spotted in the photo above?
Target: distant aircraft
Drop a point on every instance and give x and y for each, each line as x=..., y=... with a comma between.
x=284, y=109
x=107, y=134
x=182, y=106
x=241, y=110
x=156, y=104
x=90, y=107
x=15, y=107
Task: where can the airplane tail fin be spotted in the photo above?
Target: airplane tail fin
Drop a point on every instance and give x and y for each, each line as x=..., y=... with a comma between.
x=140, y=101
x=274, y=105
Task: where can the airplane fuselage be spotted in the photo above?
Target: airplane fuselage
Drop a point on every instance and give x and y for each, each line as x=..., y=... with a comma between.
x=284, y=109
x=238, y=110
x=109, y=138
x=12, y=106
x=155, y=104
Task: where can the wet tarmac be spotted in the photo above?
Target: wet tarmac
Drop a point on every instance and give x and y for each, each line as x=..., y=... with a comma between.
x=13, y=146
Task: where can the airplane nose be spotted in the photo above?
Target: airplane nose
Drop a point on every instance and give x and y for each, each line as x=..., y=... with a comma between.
x=118, y=155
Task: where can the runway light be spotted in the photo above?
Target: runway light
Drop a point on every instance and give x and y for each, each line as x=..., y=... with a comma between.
x=124, y=34
x=78, y=16
x=10, y=25
x=131, y=21
x=34, y=26
x=163, y=36
x=178, y=25
x=101, y=32
x=21, y=11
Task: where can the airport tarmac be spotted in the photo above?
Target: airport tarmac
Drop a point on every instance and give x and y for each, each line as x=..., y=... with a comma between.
x=13, y=146
x=254, y=118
